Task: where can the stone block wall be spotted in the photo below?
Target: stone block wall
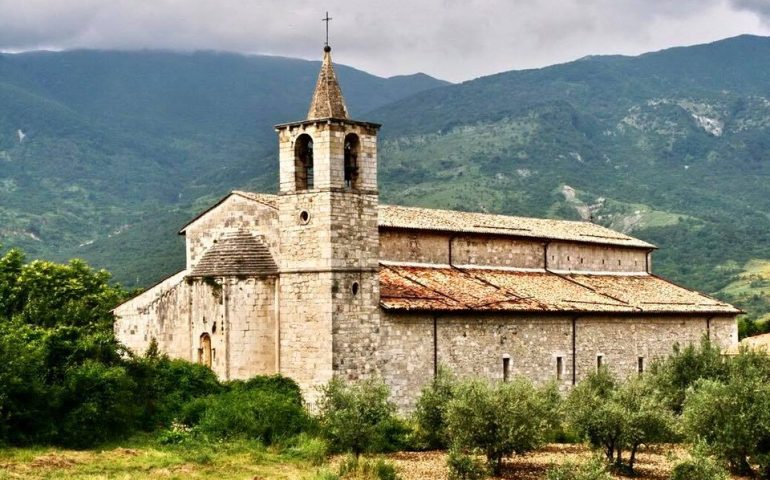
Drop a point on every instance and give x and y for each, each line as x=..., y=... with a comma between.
x=306, y=329
x=356, y=324
x=162, y=313
x=328, y=154
x=233, y=214
x=595, y=258
x=475, y=345
x=402, y=245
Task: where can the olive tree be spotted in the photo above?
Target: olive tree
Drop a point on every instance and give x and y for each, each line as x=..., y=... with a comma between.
x=499, y=419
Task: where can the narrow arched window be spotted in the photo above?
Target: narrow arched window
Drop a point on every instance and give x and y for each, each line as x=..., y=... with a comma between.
x=352, y=147
x=204, y=352
x=303, y=162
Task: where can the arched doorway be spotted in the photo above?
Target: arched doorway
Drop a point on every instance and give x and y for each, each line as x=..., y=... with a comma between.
x=204, y=352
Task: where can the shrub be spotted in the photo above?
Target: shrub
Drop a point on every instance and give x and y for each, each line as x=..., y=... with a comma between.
x=25, y=405
x=698, y=467
x=594, y=469
x=167, y=385
x=358, y=418
x=263, y=415
x=506, y=418
x=732, y=417
x=176, y=434
x=463, y=466
x=96, y=405
x=430, y=411
x=273, y=383
x=353, y=467
x=306, y=447
x=618, y=418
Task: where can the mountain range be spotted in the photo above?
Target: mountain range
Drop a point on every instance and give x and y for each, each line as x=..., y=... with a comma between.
x=103, y=155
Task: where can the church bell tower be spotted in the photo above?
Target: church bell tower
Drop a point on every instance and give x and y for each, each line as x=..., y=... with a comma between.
x=328, y=201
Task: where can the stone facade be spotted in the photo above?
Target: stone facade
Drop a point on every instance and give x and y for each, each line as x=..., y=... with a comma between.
x=337, y=285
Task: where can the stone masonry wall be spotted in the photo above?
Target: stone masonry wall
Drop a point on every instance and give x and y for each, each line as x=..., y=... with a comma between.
x=595, y=258
x=474, y=346
x=402, y=245
x=239, y=316
x=306, y=330
x=162, y=313
x=233, y=214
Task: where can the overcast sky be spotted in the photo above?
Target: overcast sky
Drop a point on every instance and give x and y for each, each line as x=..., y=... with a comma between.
x=451, y=39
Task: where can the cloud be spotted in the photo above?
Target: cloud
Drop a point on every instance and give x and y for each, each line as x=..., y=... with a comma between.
x=760, y=7
x=453, y=39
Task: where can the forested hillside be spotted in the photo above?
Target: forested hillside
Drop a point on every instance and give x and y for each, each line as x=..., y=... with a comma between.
x=672, y=146
x=95, y=144
x=105, y=154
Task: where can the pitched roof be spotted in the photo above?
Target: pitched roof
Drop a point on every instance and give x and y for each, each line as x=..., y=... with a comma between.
x=468, y=222
x=237, y=253
x=394, y=216
x=327, y=99
x=444, y=288
x=650, y=293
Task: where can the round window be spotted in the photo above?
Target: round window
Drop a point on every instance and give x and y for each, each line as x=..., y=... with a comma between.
x=304, y=217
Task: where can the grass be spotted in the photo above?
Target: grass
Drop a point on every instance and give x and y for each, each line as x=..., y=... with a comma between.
x=143, y=458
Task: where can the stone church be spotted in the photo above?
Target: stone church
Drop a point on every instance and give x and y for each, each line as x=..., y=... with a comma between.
x=321, y=280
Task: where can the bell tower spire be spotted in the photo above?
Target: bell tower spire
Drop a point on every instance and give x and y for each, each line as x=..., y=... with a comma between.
x=328, y=214
x=328, y=101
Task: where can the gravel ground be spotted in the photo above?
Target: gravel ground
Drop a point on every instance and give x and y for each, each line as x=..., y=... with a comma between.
x=653, y=463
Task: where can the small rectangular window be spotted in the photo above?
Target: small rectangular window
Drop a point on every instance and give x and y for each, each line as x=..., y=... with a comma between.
x=641, y=364
x=599, y=361
x=506, y=369
x=559, y=367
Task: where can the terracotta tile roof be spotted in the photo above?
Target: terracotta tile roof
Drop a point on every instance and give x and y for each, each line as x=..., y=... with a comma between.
x=650, y=293
x=393, y=216
x=237, y=253
x=456, y=221
x=409, y=287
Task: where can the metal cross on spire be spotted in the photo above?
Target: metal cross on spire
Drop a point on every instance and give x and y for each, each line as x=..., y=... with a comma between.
x=327, y=19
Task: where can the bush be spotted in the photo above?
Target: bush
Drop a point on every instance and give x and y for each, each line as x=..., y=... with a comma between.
x=430, y=411
x=618, y=417
x=499, y=420
x=96, y=405
x=272, y=383
x=167, y=386
x=359, y=418
x=698, y=467
x=305, y=447
x=256, y=414
x=732, y=417
x=463, y=466
x=592, y=470
x=356, y=468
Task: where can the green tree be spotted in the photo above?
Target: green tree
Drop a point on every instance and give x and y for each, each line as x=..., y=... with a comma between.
x=358, y=417
x=618, y=417
x=673, y=375
x=500, y=419
x=431, y=408
x=732, y=416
